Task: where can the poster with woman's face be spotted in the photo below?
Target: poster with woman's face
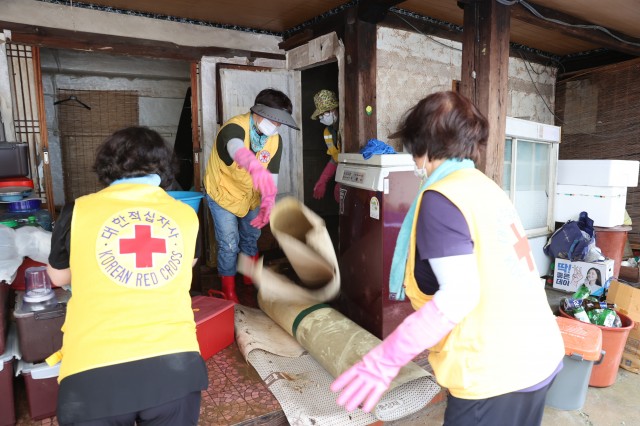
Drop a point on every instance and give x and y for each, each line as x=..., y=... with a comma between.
x=569, y=276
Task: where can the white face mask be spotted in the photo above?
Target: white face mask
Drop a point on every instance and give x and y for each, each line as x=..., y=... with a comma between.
x=328, y=119
x=422, y=171
x=267, y=128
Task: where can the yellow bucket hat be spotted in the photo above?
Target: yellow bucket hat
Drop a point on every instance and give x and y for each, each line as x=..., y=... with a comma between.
x=325, y=100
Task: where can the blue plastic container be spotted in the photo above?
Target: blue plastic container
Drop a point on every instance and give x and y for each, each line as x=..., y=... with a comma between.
x=191, y=198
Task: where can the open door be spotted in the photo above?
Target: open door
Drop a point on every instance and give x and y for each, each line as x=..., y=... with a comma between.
x=228, y=86
x=238, y=90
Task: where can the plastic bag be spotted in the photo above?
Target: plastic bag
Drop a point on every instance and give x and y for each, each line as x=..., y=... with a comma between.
x=33, y=242
x=10, y=259
x=575, y=241
x=569, y=242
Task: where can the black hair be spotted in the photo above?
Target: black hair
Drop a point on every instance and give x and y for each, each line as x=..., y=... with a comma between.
x=598, y=279
x=275, y=99
x=134, y=152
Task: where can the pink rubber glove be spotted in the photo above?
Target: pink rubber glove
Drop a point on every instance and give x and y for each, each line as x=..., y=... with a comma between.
x=262, y=181
x=368, y=379
x=266, y=205
x=321, y=185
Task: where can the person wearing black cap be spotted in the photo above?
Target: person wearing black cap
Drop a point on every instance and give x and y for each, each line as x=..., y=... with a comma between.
x=241, y=180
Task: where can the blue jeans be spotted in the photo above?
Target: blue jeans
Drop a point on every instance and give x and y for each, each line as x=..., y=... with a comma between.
x=233, y=235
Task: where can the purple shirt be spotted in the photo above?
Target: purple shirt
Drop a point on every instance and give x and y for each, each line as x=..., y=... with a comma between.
x=441, y=231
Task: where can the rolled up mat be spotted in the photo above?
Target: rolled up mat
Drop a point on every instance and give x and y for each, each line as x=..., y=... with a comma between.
x=305, y=241
x=333, y=340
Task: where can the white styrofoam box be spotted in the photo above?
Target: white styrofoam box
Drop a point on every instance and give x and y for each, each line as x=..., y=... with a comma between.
x=604, y=204
x=568, y=275
x=598, y=172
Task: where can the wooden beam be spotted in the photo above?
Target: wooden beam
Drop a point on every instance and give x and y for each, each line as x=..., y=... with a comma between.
x=298, y=39
x=44, y=134
x=118, y=45
x=594, y=36
x=485, y=69
x=570, y=65
x=195, y=124
x=334, y=23
x=374, y=11
x=360, y=82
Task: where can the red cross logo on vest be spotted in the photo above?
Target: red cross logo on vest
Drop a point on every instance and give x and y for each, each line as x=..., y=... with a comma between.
x=522, y=247
x=264, y=156
x=143, y=246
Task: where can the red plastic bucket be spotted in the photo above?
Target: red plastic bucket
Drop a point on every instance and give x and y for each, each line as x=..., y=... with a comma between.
x=611, y=242
x=613, y=341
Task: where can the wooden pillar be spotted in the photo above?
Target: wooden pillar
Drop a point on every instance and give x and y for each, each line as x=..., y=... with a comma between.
x=360, y=82
x=485, y=72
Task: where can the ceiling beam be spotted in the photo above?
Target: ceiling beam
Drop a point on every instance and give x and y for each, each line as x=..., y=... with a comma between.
x=572, y=64
x=298, y=37
x=118, y=45
x=594, y=36
x=374, y=11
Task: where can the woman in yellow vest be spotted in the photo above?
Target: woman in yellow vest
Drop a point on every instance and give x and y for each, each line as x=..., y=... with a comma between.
x=241, y=180
x=326, y=112
x=129, y=351
x=463, y=257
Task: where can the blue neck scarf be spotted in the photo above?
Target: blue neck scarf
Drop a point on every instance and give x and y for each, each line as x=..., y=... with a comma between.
x=152, y=179
x=401, y=252
x=257, y=140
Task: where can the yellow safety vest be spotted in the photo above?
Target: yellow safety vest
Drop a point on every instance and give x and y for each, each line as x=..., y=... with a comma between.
x=333, y=149
x=510, y=341
x=131, y=254
x=231, y=186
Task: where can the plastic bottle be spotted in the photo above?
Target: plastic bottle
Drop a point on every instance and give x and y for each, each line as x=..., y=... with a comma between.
x=586, y=304
x=581, y=315
x=606, y=317
x=582, y=292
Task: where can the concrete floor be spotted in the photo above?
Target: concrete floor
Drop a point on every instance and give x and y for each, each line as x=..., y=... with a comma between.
x=617, y=404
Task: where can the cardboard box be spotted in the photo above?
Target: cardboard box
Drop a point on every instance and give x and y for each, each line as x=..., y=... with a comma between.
x=214, y=324
x=568, y=276
x=598, y=172
x=605, y=204
x=627, y=298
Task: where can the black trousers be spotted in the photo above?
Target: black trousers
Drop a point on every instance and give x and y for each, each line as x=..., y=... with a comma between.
x=511, y=409
x=184, y=411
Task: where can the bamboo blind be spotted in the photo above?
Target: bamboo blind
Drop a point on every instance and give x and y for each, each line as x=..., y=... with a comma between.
x=599, y=112
x=82, y=130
